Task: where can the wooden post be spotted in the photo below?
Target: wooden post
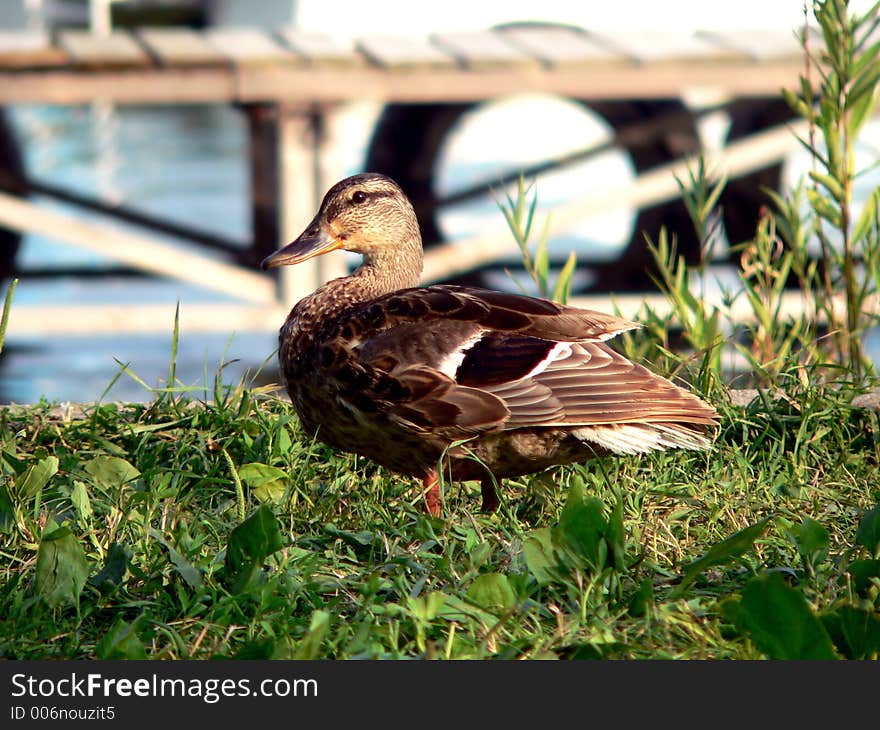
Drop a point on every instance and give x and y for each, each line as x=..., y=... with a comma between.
x=286, y=185
x=298, y=159
x=100, y=17
x=335, y=265
x=263, y=132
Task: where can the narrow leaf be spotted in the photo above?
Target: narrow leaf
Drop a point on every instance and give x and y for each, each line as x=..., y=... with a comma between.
x=867, y=217
x=562, y=289
x=724, y=552
x=29, y=484
x=310, y=646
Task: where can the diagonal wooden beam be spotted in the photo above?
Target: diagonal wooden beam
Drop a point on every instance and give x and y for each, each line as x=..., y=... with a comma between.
x=654, y=186
x=147, y=254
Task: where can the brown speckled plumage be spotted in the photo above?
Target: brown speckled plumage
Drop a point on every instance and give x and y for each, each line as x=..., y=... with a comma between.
x=378, y=367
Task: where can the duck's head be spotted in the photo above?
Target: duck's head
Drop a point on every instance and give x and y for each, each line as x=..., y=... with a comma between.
x=368, y=214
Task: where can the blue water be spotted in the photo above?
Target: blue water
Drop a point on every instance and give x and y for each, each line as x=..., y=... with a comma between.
x=189, y=164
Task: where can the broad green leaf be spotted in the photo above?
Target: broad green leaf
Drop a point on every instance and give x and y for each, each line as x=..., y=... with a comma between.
x=863, y=573
x=729, y=610
x=249, y=545
x=856, y=633
x=642, y=599
x=258, y=650
x=868, y=532
x=492, y=591
x=62, y=568
x=121, y=641
x=267, y=483
x=780, y=622
x=426, y=608
x=723, y=552
x=114, y=570
x=811, y=539
x=310, y=645
x=29, y=484
x=582, y=526
x=454, y=608
x=614, y=536
x=111, y=472
x=541, y=558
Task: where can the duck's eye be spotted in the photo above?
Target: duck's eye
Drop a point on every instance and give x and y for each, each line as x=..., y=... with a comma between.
x=359, y=197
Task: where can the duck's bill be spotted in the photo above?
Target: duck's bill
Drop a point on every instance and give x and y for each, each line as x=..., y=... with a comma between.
x=314, y=241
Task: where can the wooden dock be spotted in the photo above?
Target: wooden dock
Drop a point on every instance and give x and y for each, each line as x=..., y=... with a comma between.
x=288, y=82
x=250, y=66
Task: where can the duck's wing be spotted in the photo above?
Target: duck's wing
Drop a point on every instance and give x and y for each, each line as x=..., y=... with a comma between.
x=466, y=361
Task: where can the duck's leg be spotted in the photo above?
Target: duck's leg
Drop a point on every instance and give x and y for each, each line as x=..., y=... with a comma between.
x=490, y=495
x=431, y=484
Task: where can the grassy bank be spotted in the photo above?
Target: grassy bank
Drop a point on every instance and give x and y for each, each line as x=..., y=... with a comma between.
x=215, y=527
x=123, y=537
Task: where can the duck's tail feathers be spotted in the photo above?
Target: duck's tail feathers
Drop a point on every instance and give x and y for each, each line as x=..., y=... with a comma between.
x=639, y=438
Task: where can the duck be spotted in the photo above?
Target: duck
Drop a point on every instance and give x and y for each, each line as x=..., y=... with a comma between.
x=460, y=382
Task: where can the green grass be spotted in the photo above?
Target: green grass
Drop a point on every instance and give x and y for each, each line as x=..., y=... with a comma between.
x=122, y=537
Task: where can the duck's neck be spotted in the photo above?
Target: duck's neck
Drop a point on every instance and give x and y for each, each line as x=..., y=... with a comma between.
x=383, y=271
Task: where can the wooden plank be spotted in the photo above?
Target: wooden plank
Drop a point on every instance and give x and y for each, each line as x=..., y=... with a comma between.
x=759, y=45
x=560, y=45
x=181, y=47
x=326, y=84
x=46, y=320
x=246, y=46
x=479, y=49
x=117, y=50
x=29, y=49
x=148, y=86
x=137, y=250
x=608, y=81
x=794, y=304
x=49, y=320
x=668, y=47
x=320, y=50
x=399, y=52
